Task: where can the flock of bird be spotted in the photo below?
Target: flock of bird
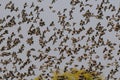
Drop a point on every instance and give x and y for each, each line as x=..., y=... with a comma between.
x=38, y=37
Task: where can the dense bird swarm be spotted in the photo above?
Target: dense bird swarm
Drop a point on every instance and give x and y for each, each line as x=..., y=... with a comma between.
x=40, y=37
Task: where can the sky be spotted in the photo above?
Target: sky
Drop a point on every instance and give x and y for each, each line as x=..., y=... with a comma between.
x=49, y=16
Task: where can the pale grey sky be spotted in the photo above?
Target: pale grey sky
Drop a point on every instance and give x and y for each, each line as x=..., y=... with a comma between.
x=48, y=16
